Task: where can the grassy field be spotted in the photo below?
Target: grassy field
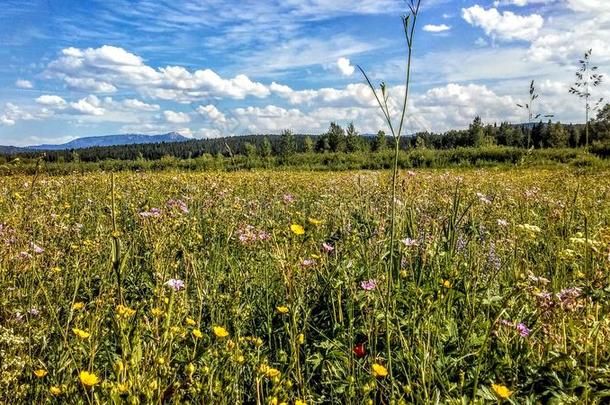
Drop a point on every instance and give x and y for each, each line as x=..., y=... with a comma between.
x=276, y=287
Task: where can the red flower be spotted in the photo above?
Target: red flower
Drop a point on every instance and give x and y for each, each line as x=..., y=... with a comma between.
x=359, y=350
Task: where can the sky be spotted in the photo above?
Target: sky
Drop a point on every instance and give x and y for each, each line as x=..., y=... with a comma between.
x=211, y=68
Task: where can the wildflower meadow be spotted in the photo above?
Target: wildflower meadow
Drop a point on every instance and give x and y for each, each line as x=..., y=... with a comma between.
x=273, y=287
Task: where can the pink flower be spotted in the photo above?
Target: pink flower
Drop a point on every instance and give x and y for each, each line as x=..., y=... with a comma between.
x=408, y=242
x=37, y=249
x=523, y=330
x=288, y=198
x=327, y=247
x=308, y=263
x=369, y=285
x=411, y=173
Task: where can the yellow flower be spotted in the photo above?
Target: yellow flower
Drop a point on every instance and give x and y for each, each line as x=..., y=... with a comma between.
x=300, y=402
x=55, y=391
x=314, y=221
x=240, y=359
x=297, y=229
x=190, y=321
x=220, y=332
x=88, y=379
x=40, y=373
x=379, y=371
x=282, y=310
x=501, y=391
x=301, y=338
x=272, y=372
x=81, y=333
x=156, y=311
x=122, y=388
x=447, y=284
x=124, y=312
x=190, y=368
x=77, y=306
x=119, y=366
x=197, y=334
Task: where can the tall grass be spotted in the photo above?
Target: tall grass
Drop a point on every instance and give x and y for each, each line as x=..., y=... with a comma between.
x=502, y=280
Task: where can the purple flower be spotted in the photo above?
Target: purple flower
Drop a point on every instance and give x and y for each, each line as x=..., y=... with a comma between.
x=34, y=312
x=288, y=198
x=175, y=284
x=369, y=285
x=411, y=173
x=263, y=235
x=327, y=247
x=25, y=255
x=154, y=212
x=523, y=330
x=179, y=204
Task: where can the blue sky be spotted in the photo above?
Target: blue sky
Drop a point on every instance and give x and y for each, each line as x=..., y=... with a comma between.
x=209, y=68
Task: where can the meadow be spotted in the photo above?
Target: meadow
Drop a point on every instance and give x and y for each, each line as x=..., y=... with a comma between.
x=284, y=287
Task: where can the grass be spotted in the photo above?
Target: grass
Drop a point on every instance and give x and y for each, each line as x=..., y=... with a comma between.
x=502, y=291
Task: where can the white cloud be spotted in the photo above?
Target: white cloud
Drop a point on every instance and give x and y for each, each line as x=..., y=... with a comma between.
x=137, y=105
x=212, y=113
x=504, y=26
x=176, y=117
x=52, y=101
x=13, y=113
x=89, y=85
x=108, y=68
x=24, y=84
x=345, y=67
x=89, y=105
x=436, y=28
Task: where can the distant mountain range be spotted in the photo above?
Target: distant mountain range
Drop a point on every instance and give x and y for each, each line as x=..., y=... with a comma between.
x=108, y=140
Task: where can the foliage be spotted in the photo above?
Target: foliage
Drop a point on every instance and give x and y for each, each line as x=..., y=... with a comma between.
x=269, y=287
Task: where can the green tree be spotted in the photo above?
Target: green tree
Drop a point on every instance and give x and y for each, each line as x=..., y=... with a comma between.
x=250, y=150
x=288, y=145
x=336, y=138
x=380, y=143
x=308, y=144
x=476, y=132
x=353, y=141
x=266, y=148
x=557, y=136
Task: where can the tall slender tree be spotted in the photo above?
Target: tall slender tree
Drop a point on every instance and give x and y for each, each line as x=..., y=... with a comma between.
x=587, y=78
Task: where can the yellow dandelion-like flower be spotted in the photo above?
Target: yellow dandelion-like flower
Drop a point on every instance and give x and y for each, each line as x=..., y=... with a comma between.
x=379, y=371
x=300, y=402
x=190, y=368
x=40, y=373
x=77, y=306
x=124, y=312
x=220, y=332
x=190, y=322
x=81, y=333
x=88, y=379
x=272, y=372
x=197, y=333
x=122, y=388
x=297, y=229
x=501, y=391
x=447, y=284
x=282, y=310
x=55, y=390
x=301, y=338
